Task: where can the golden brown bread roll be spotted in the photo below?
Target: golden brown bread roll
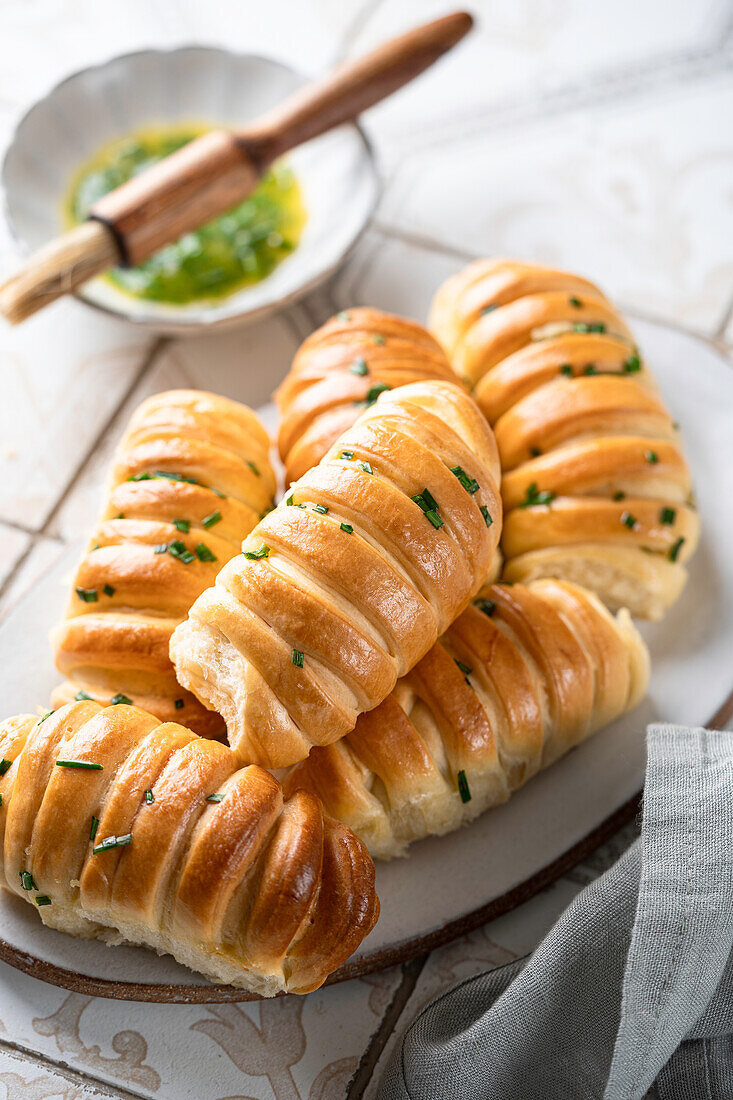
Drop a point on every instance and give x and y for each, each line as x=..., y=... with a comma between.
x=151, y=835
x=349, y=581
x=518, y=680
x=342, y=368
x=595, y=485
x=191, y=478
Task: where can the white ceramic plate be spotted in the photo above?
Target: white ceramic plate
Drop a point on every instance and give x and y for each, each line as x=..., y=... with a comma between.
x=453, y=883
x=191, y=84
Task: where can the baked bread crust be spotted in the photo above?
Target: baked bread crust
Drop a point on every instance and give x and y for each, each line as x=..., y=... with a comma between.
x=580, y=425
x=349, y=581
x=339, y=369
x=521, y=677
x=267, y=894
x=192, y=470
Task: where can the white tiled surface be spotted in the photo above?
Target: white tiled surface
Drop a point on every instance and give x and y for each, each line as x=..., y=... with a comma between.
x=592, y=135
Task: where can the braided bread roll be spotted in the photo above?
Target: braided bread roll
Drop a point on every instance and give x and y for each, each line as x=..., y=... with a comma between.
x=163, y=842
x=349, y=581
x=518, y=680
x=595, y=485
x=191, y=478
x=342, y=368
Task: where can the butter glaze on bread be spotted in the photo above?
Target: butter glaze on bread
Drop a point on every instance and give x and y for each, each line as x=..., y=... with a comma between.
x=518, y=680
x=216, y=455
x=267, y=894
x=577, y=418
x=341, y=368
x=349, y=581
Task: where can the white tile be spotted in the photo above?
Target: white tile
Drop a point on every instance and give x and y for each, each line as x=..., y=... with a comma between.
x=290, y=1047
x=46, y=40
x=23, y=1079
x=635, y=194
x=62, y=375
x=524, y=52
x=43, y=554
x=13, y=544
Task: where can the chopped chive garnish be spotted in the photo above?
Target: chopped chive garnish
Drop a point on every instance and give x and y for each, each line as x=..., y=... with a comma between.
x=119, y=698
x=46, y=715
x=348, y=455
x=667, y=516
x=432, y=516
x=535, y=452
x=112, y=842
x=217, y=493
x=177, y=549
x=343, y=316
x=347, y=528
x=465, y=669
x=178, y=704
x=297, y=658
x=42, y=899
x=255, y=555
x=366, y=467
x=674, y=552
x=214, y=798
x=87, y=595
x=4, y=765
x=651, y=456
x=374, y=391
x=619, y=496
x=378, y=338
x=575, y=302
x=1, y=800
x=204, y=554
x=291, y=502
x=489, y=309
x=597, y=326
x=536, y=496
x=108, y=590
x=253, y=467
x=590, y=369
x=488, y=520
x=567, y=370
x=85, y=764
x=469, y=484
x=27, y=881
x=581, y=327
x=211, y=519
x=140, y=477
x=487, y=606
x=149, y=797
x=321, y=509
x=463, y=788
x=182, y=525
x=628, y=520
x=359, y=366
x=93, y=829
x=161, y=548
x=632, y=364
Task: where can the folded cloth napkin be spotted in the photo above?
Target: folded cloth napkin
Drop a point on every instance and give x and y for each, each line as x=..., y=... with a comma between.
x=631, y=992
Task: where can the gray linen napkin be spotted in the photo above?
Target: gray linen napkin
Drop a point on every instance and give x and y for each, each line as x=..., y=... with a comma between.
x=631, y=992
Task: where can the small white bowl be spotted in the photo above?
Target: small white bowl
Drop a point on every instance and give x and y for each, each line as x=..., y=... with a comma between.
x=198, y=84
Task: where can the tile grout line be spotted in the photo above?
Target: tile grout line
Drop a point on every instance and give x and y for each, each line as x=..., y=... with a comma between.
x=411, y=971
x=158, y=346
x=78, y=1078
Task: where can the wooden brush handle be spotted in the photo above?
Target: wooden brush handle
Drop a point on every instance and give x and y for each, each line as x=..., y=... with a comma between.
x=213, y=173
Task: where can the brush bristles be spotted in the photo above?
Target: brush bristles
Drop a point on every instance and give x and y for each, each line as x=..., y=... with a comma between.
x=57, y=269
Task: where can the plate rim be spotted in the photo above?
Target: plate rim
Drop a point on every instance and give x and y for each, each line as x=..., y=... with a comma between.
x=161, y=993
